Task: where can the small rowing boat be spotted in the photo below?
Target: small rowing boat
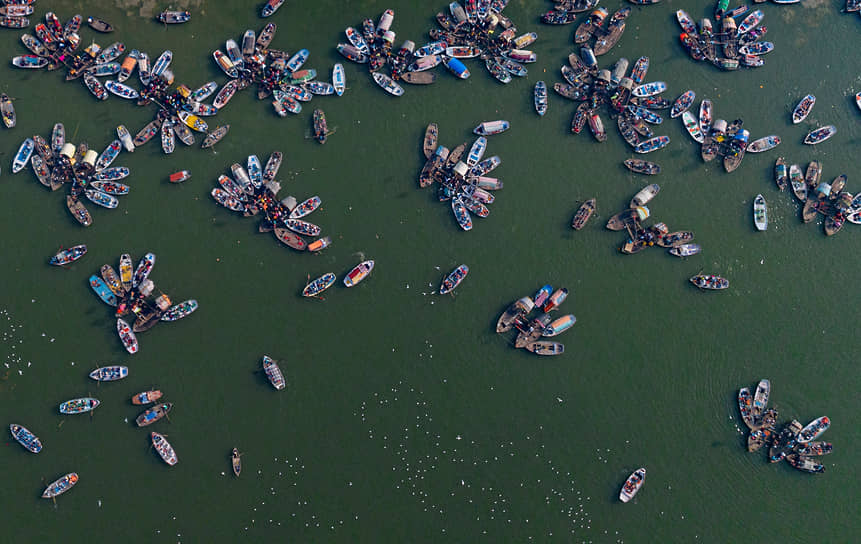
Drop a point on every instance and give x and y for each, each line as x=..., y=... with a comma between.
x=69, y=255
x=179, y=177
x=488, y=128
x=805, y=464
x=545, y=347
x=109, y=373
x=584, y=212
x=684, y=250
x=143, y=269
x=710, y=282
x=79, y=406
x=632, y=485
x=146, y=397
x=24, y=437
x=820, y=134
x=682, y=103
x=652, y=144
x=814, y=429
x=453, y=279
x=763, y=144
x=796, y=182
x=164, y=449
x=153, y=414
x=103, y=291
x=128, y=338
x=559, y=325
x=760, y=213
x=22, y=157
x=235, y=460
x=60, y=486
x=273, y=373
x=215, y=136
x=180, y=310
x=642, y=167
x=99, y=25
x=319, y=285
x=388, y=84
x=429, y=144
x=358, y=273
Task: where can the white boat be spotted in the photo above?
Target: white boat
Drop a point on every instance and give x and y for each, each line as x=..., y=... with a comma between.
x=491, y=127
x=645, y=194
x=388, y=84
x=338, y=79
x=476, y=152
x=23, y=156
x=632, y=485
x=358, y=273
x=760, y=213
x=693, y=126
x=126, y=138
x=814, y=429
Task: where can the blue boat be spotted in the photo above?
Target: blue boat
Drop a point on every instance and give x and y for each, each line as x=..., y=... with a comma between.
x=476, y=152
x=143, y=270
x=255, y=170
x=542, y=295
x=297, y=60
x=461, y=214
x=559, y=326
x=646, y=115
x=161, y=63
x=102, y=289
x=453, y=280
x=457, y=68
x=23, y=155
x=319, y=285
x=26, y=438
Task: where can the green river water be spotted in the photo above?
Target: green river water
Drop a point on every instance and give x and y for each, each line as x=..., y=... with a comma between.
x=407, y=418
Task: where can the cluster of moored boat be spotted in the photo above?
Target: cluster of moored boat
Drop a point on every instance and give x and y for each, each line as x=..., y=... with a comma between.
x=626, y=97
x=819, y=197
x=605, y=31
x=531, y=328
x=793, y=442
x=15, y=13
x=464, y=183
x=88, y=174
x=733, y=45
x=276, y=73
x=129, y=291
x=468, y=30
x=253, y=190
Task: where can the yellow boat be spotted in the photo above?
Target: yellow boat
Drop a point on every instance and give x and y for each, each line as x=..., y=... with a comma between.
x=193, y=121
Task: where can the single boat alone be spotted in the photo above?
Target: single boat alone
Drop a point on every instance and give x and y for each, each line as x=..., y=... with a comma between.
x=358, y=273
x=453, y=279
x=632, y=485
x=60, y=486
x=273, y=373
x=109, y=373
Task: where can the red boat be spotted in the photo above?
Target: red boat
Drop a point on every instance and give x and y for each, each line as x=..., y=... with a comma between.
x=179, y=177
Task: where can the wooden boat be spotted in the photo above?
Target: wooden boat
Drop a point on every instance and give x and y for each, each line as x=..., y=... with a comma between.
x=781, y=175
x=682, y=103
x=813, y=174
x=763, y=144
x=809, y=210
x=559, y=325
x=833, y=223
x=545, y=347
x=225, y=94
x=99, y=25
x=760, y=399
x=584, y=212
x=339, y=81
x=103, y=291
x=146, y=397
x=235, y=460
x=266, y=35
x=711, y=282
x=784, y=442
x=461, y=214
x=109, y=373
x=645, y=195
x=813, y=430
x=69, y=255
x=24, y=437
x=649, y=89
x=805, y=464
x=43, y=174
x=453, y=279
x=143, y=269
x=79, y=406
x=273, y=373
x=430, y=140
x=645, y=114
x=102, y=199
x=632, y=485
x=358, y=273
x=814, y=448
x=642, y=167
x=488, y=128
x=178, y=311
x=626, y=217
x=796, y=181
x=652, y=144
x=78, y=211
x=758, y=438
x=147, y=132
x=587, y=28
x=22, y=157
x=319, y=285
x=14, y=22
x=179, y=177
x=321, y=131
x=388, y=84
x=227, y=200
x=760, y=213
x=596, y=127
x=29, y=61
x=508, y=318
x=820, y=135
x=745, y=407
x=112, y=280
x=173, y=17
x=272, y=166
x=109, y=155
x=302, y=227
x=540, y=97
x=128, y=338
x=215, y=136
x=684, y=250
x=293, y=240
x=60, y=486
x=305, y=208
x=154, y=414
x=164, y=449
x=7, y=110
x=352, y=53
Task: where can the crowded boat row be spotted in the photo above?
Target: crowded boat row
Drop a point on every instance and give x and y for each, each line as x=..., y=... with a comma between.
x=463, y=182
x=793, y=442
x=531, y=328
x=732, y=45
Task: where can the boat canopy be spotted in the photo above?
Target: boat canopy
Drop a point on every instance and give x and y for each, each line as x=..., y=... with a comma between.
x=643, y=213
x=273, y=186
x=146, y=287
x=68, y=151
x=604, y=75
x=824, y=189
x=90, y=157
x=461, y=169
x=719, y=125
x=289, y=202
x=526, y=304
